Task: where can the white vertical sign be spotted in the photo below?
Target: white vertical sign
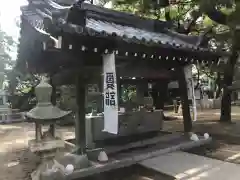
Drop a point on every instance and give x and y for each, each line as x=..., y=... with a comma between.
x=190, y=88
x=110, y=94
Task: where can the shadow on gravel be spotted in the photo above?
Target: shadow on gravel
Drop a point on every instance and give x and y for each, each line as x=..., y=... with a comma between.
x=206, y=149
x=17, y=164
x=224, y=148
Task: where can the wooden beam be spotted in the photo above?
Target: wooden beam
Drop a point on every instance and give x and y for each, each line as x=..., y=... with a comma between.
x=80, y=133
x=54, y=102
x=187, y=120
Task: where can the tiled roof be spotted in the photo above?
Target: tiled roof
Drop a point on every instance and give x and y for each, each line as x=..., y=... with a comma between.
x=40, y=9
x=35, y=18
x=130, y=33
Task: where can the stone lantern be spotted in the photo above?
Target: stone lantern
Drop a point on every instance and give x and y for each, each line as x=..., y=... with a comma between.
x=45, y=114
x=4, y=107
x=3, y=94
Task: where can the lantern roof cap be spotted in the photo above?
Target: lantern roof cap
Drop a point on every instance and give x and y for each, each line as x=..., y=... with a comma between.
x=44, y=110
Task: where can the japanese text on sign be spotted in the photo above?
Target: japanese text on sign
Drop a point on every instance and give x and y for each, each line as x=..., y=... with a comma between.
x=110, y=81
x=110, y=99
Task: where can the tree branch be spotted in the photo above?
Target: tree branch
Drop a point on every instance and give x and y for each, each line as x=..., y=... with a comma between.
x=210, y=9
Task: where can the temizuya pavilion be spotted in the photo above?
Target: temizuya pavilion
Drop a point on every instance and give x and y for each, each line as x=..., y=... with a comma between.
x=63, y=39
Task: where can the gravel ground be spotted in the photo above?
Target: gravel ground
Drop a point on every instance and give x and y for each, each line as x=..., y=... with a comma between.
x=226, y=144
x=16, y=163
x=220, y=149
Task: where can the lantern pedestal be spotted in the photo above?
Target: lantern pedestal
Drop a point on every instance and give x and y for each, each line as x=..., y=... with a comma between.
x=46, y=148
x=45, y=144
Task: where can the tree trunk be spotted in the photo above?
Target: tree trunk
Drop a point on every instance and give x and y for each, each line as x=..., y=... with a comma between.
x=219, y=86
x=227, y=81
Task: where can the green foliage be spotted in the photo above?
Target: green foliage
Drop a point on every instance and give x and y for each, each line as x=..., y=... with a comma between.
x=19, y=83
x=6, y=43
x=183, y=13
x=192, y=15
x=129, y=93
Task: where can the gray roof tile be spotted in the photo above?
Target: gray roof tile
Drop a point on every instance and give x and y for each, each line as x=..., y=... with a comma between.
x=131, y=32
x=35, y=17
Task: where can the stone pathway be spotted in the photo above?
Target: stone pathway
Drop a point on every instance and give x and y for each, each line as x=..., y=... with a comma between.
x=186, y=166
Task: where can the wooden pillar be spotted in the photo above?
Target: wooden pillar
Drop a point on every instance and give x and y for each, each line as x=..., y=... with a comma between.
x=184, y=99
x=80, y=120
x=140, y=87
x=161, y=89
x=54, y=102
x=119, y=86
